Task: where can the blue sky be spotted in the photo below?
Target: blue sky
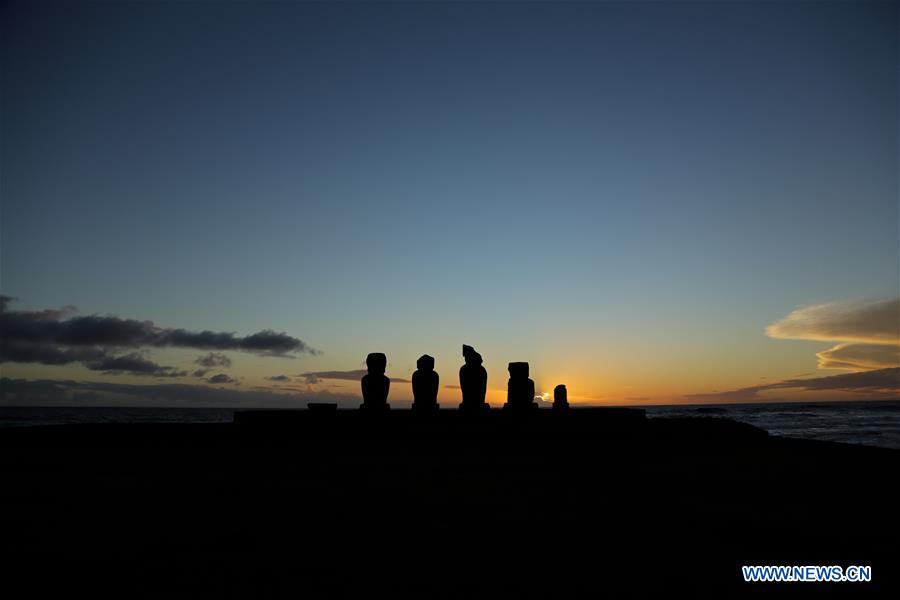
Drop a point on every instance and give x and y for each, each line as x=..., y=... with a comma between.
x=623, y=194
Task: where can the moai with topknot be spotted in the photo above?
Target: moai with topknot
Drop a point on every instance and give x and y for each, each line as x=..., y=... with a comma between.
x=473, y=381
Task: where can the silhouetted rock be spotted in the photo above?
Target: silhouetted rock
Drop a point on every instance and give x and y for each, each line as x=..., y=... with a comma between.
x=375, y=385
x=472, y=381
x=290, y=492
x=322, y=408
x=520, y=390
x=560, y=398
x=425, y=382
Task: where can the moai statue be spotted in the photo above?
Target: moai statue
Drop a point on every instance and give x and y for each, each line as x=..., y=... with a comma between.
x=520, y=391
x=425, y=385
x=560, y=398
x=375, y=384
x=472, y=381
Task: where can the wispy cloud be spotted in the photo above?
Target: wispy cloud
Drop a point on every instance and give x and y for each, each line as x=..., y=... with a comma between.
x=860, y=357
x=878, y=382
x=313, y=377
x=868, y=332
x=866, y=321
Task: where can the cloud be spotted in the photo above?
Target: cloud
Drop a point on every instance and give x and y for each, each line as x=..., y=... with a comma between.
x=880, y=380
x=452, y=387
x=860, y=357
x=51, y=328
x=95, y=359
x=279, y=378
x=868, y=332
x=113, y=345
x=213, y=359
x=210, y=361
x=49, y=392
x=866, y=321
x=11, y=351
x=221, y=378
x=133, y=363
x=876, y=382
x=313, y=377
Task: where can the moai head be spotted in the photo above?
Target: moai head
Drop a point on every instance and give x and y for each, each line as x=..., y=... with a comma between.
x=425, y=363
x=560, y=395
x=472, y=357
x=518, y=370
x=377, y=363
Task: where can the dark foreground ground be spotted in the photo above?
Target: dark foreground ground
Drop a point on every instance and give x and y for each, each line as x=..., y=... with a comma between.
x=594, y=504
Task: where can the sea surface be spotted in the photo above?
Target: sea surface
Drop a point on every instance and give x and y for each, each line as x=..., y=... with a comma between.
x=872, y=423
x=869, y=423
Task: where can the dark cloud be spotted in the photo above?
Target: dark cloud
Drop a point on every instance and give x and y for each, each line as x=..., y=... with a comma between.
x=279, y=378
x=453, y=387
x=213, y=359
x=46, y=392
x=133, y=363
x=266, y=342
x=221, y=378
x=108, y=344
x=51, y=328
x=877, y=382
x=95, y=359
x=12, y=351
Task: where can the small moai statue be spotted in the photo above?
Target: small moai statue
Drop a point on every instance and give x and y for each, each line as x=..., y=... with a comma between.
x=425, y=382
x=560, y=398
x=520, y=390
x=473, y=381
x=375, y=385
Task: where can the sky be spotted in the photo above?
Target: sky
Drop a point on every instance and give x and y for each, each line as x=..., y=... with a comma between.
x=235, y=202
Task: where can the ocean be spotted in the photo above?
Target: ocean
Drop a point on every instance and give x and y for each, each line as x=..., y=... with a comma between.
x=868, y=422
x=871, y=423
